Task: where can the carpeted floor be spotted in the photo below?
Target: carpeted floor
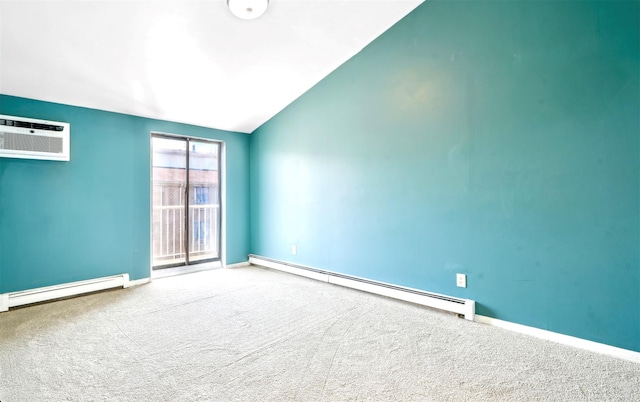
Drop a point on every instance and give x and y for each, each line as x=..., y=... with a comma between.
x=251, y=334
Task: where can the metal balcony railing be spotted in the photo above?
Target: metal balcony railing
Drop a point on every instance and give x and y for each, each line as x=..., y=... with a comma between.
x=169, y=233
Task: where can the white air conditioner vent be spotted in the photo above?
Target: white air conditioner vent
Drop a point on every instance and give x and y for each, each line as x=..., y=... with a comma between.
x=25, y=138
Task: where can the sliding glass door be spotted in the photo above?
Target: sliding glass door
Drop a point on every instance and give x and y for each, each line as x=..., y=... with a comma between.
x=186, y=201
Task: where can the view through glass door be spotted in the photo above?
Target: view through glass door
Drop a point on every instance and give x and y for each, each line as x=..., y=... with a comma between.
x=186, y=201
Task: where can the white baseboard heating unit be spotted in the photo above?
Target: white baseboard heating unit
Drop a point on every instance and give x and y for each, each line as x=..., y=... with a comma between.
x=14, y=299
x=463, y=307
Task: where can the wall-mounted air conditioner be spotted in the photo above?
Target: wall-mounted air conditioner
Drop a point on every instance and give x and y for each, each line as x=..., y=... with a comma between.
x=25, y=138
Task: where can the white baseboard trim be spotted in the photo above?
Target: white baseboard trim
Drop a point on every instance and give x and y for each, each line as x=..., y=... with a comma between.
x=137, y=282
x=20, y=298
x=579, y=343
x=452, y=304
x=4, y=302
x=313, y=274
x=238, y=265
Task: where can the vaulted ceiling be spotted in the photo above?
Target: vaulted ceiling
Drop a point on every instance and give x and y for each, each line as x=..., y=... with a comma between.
x=185, y=61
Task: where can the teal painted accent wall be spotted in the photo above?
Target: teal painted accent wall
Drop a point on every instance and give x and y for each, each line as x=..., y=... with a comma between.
x=88, y=218
x=496, y=139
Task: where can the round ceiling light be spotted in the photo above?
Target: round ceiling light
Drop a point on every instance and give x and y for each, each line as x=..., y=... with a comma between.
x=247, y=9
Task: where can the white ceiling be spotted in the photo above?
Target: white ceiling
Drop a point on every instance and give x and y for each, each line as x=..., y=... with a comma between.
x=185, y=61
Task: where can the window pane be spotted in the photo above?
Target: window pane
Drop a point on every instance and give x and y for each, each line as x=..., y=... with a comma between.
x=169, y=197
x=204, y=198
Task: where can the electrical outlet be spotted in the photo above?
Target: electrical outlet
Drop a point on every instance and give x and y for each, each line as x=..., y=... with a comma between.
x=294, y=249
x=461, y=280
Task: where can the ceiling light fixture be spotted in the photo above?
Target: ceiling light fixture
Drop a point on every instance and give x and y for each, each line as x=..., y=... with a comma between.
x=247, y=9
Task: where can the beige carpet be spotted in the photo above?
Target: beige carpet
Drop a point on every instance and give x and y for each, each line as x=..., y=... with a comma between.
x=251, y=334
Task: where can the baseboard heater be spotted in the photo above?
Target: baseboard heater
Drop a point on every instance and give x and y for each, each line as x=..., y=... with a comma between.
x=463, y=307
x=14, y=299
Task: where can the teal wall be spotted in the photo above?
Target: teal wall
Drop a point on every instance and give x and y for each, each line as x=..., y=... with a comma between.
x=497, y=139
x=88, y=218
